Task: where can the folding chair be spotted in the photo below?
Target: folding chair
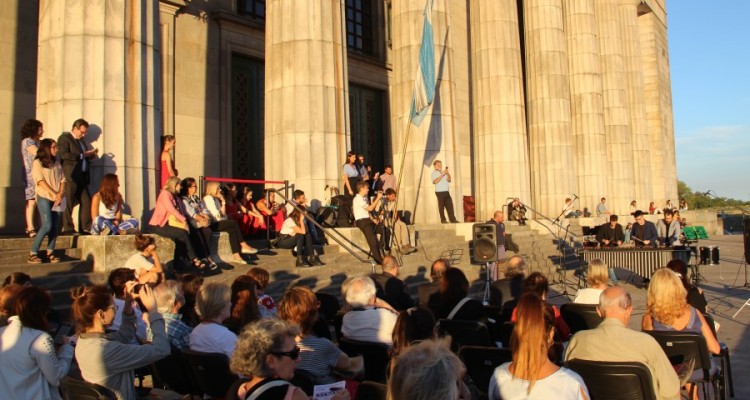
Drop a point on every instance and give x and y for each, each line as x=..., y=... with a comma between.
x=464, y=333
x=375, y=356
x=615, y=380
x=580, y=317
x=210, y=372
x=481, y=362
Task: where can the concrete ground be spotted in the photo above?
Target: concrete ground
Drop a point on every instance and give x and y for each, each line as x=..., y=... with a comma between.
x=724, y=291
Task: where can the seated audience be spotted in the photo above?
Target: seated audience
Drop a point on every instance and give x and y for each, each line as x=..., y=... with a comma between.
x=295, y=235
x=199, y=220
x=146, y=263
x=400, y=231
x=32, y=368
x=538, y=284
x=426, y=371
x=266, y=305
x=412, y=326
x=236, y=210
x=597, y=279
x=17, y=278
x=613, y=341
x=429, y=292
x=531, y=375
x=370, y=319
x=319, y=356
x=191, y=284
x=517, y=211
x=454, y=300
x=216, y=206
x=268, y=354
x=108, y=359
x=169, y=300
x=274, y=211
x=244, y=308
x=169, y=221
x=506, y=291
x=8, y=302
x=389, y=287
x=256, y=220
x=695, y=295
x=119, y=280
x=106, y=210
x=214, y=306
x=300, y=200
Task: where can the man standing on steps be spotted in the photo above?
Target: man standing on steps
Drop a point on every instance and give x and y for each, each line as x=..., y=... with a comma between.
x=442, y=179
x=76, y=163
x=498, y=219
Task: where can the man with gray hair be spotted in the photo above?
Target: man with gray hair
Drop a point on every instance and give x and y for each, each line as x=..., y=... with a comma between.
x=370, y=319
x=613, y=341
x=389, y=287
x=169, y=300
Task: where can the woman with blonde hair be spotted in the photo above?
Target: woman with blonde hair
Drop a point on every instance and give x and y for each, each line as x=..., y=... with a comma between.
x=428, y=370
x=531, y=375
x=597, y=280
x=213, y=303
x=216, y=205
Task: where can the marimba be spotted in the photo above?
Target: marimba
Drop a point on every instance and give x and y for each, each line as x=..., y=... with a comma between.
x=642, y=261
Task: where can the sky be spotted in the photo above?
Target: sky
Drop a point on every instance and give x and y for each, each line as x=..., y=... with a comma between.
x=709, y=51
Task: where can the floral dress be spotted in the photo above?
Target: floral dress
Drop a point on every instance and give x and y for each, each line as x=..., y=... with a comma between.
x=28, y=159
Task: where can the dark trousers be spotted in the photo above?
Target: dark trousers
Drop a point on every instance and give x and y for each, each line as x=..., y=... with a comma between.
x=304, y=243
x=368, y=228
x=231, y=227
x=77, y=193
x=445, y=202
x=182, y=246
x=201, y=239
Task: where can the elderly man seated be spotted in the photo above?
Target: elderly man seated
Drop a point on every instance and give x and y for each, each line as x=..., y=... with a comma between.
x=370, y=319
x=613, y=341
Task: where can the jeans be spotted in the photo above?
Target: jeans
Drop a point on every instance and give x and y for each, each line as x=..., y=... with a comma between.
x=100, y=223
x=50, y=225
x=303, y=243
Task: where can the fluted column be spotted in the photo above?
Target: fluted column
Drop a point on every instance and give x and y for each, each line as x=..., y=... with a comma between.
x=553, y=176
x=639, y=130
x=500, y=146
x=306, y=104
x=437, y=137
x=616, y=107
x=99, y=60
x=587, y=110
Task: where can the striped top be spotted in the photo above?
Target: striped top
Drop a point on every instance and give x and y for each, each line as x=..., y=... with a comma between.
x=318, y=357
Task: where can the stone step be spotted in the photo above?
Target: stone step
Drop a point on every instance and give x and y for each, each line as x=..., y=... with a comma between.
x=16, y=257
x=47, y=270
x=62, y=242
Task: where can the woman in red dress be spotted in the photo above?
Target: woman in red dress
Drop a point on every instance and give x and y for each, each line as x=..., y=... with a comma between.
x=167, y=161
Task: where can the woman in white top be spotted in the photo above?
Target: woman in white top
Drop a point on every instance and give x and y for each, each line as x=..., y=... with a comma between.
x=106, y=210
x=32, y=369
x=146, y=263
x=216, y=206
x=214, y=305
x=598, y=277
x=531, y=375
x=50, y=197
x=294, y=234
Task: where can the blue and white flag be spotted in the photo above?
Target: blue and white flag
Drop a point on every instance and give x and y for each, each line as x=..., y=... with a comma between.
x=424, y=86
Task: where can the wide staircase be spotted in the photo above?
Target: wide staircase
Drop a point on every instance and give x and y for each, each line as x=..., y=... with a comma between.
x=536, y=244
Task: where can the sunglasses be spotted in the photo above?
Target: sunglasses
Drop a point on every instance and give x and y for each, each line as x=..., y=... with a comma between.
x=293, y=354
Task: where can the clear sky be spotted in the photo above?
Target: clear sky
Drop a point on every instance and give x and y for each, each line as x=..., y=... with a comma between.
x=709, y=51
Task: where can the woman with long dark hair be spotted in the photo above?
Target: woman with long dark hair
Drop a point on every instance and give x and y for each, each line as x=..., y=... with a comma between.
x=106, y=210
x=244, y=308
x=167, y=161
x=199, y=219
x=351, y=174
x=32, y=369
x=50, y=197
x=454, y=300
x=31, y=132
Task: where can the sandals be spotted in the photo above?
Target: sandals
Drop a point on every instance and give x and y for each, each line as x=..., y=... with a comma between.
x=34, y=259
x=211, y=264
x=30, y=233
x=199, y=264
x=249, y=250
x=52, y=258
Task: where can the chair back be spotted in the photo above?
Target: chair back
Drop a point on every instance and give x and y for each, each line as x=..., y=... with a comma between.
x=503, y=290
x=464, y=333
x=172, y=374
x=580, y=317
x=369, y=390
x=303, y=380
x=681, y=347
x=329, y=306
x=690, y=233
x=481, y=363
x=615, y=380
x=73, y=389
x=210, y=372
x=232, y=391
x=375, y=355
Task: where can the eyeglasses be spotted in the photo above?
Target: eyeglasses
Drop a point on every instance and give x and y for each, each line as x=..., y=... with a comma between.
x=293, y=354
x=113, y=307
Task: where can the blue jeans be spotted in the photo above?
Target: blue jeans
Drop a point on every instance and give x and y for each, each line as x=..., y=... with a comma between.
x=50, y=225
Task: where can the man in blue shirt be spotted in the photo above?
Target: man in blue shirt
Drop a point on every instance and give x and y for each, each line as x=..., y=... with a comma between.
x=498, y=219
x=441, y=179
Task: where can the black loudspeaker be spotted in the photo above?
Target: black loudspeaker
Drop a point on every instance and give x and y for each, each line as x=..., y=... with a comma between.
x=746, y=234
x=484, y=239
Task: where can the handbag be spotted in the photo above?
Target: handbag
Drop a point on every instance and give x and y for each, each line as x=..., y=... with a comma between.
x=173, y=221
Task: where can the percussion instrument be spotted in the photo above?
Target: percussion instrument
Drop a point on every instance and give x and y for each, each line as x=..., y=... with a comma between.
x=642, y=261
x=709, y=255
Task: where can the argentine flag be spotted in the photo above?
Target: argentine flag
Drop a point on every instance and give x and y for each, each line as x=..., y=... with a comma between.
x=424, y=86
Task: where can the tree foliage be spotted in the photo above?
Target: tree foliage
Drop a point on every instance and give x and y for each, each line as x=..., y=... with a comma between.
x=701, y=200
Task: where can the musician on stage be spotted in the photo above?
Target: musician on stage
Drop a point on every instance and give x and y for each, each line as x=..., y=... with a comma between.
x=668, y=229
x=610, y=234
x=643, y=232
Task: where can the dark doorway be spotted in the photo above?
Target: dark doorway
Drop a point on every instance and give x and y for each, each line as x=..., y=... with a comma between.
x=367, y=127
x=247, y=119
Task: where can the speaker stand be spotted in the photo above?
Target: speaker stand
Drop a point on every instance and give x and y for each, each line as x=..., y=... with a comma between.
x=487, y=284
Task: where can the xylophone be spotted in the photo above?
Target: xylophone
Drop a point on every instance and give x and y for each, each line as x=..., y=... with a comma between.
x=642, y=261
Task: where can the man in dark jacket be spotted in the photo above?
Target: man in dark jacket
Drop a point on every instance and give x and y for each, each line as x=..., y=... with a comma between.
x=76, y=163
x=390, y=288
x=610, y=234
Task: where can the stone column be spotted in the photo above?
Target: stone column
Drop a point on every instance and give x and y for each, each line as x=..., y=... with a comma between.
x=636, y=101
x=500, y=147
x=437, y=137
x=553, y=176
x=306, y=104
x=100, y=60
x=616, y=107
x=658, y=97
x=587, y=110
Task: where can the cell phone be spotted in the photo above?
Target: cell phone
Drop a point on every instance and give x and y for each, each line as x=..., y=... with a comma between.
x=62, y=330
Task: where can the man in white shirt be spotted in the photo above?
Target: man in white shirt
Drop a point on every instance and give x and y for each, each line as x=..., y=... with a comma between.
x=366, y=222
x=441, y=179
x=370, y=319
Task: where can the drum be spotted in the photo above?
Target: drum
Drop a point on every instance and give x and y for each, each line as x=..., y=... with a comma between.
x=709, y=255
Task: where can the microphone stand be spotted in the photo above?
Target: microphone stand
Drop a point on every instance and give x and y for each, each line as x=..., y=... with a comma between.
x=744, y=258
